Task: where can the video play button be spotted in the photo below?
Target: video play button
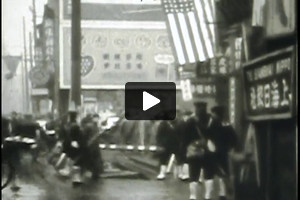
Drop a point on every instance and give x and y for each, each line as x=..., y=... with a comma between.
x=150, y=101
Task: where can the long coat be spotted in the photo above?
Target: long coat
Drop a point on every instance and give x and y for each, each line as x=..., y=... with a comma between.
x=166, y=137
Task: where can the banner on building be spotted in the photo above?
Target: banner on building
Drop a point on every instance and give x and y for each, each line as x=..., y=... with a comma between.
x=270, y=86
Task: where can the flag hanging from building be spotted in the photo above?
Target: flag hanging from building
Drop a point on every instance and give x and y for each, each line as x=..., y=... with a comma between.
x=191, y=24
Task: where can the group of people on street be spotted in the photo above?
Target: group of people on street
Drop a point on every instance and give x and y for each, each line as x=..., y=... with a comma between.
x=200, y=142
x=80, y=145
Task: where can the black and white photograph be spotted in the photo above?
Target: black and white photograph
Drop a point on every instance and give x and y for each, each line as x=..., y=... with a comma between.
x=149, y=100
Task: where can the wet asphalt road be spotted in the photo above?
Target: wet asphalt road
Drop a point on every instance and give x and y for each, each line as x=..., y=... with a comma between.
x=39, y=181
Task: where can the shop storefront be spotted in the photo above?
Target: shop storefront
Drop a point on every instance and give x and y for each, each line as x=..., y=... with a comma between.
x=270, y=102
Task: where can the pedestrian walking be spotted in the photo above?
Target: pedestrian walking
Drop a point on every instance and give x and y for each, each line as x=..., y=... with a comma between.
x=221, y=138
x=183, y=172
x=92, y=159
x=74, y=145
x=195, y=144
x=166, y=138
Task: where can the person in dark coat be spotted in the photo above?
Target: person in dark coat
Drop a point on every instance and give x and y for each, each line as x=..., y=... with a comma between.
x=181, y=158
x=196, y=127
x=167, y=139
x=221, y=138
x=74, y=145
x=92, y=159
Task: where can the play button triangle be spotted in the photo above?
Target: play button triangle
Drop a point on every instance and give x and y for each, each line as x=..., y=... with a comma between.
x=149, y=101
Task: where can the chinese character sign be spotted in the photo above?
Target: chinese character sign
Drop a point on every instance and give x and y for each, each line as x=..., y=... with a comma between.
x=269, y=86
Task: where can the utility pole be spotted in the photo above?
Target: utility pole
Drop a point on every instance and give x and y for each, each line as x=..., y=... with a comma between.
x=32, y=102
x=34, y=20
x=76, y=53
x=26, y=69
x=30, y=51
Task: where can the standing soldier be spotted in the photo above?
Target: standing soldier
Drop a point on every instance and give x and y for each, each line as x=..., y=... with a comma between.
x=221, y=138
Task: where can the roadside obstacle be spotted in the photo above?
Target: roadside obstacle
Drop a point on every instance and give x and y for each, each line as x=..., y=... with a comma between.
x=130, y=147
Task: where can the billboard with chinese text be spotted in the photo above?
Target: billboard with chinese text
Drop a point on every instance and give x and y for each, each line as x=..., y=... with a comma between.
x=113, y=56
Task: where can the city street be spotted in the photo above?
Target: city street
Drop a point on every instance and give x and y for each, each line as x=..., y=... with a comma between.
x=43, y=183
x=149, y=100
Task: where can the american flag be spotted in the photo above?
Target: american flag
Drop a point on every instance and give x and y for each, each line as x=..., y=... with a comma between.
x=192, y=29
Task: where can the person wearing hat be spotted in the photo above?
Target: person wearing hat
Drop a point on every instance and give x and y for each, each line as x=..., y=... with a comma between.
x=221, y=138
x=195, y=128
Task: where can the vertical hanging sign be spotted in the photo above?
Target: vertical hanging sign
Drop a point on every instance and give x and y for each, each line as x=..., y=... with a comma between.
x=186, y=90
x=232, y=100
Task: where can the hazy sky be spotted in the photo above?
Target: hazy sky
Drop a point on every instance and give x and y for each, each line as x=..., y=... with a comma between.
x=12, y=23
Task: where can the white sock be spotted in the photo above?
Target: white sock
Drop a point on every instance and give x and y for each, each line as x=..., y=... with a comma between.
x=209, y=188
x=201, y=178
x=222, y=187
x=193, y=190
x=162, y=172
x=185, y=170
x=179, y=171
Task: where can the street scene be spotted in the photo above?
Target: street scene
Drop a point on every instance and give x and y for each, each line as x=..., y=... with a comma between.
x=149, y=100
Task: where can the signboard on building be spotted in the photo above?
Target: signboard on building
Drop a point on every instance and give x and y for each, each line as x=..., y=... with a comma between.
x=122, y=40
x=204, y=87
x=281, y=17
x=113, y=56
x=215, y=66
x=186, y=90
x=270, y=86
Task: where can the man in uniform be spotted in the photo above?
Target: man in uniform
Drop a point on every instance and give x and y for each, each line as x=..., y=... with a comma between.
x=196, y=127
x=221, y=138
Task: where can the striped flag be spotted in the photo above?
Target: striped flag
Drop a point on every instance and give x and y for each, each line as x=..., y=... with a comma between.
x=191, y=24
